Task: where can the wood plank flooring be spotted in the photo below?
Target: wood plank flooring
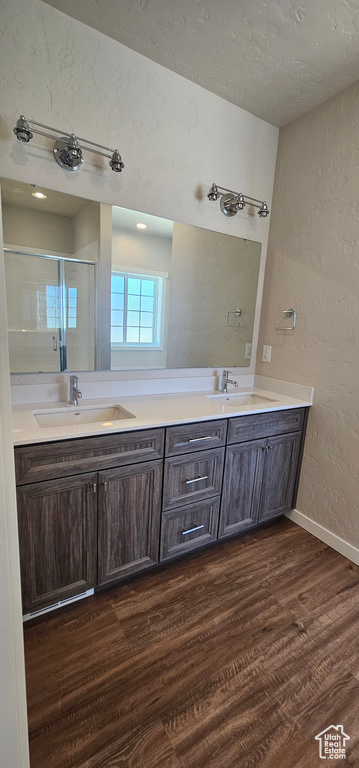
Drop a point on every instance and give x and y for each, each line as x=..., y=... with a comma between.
x=234, y=658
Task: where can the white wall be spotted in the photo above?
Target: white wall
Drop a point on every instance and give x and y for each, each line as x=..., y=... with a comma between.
x=175, y=137
x=313, y=266
x=39, y=231
x=86, y=232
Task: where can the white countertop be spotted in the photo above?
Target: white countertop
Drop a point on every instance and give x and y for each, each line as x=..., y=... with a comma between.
x=148, y=411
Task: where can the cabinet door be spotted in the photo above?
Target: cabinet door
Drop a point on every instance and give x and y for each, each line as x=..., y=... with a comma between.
x=129, y=519
x=241, y=487
x=279, y=475
x=57, y=534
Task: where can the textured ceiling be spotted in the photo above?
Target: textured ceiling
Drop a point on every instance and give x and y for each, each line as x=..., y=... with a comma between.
x=275, y=58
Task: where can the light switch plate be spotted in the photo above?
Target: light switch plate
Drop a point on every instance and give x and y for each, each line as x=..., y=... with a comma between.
x=267, y=353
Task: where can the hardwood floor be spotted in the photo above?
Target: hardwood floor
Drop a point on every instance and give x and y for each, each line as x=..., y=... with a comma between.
x=234, y=658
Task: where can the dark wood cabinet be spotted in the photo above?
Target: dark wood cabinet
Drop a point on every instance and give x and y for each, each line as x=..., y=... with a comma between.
x=57, y=534
x=91, y=510
x=129, y=516
x=241, y=487
x=259, y=481
x=279, y=475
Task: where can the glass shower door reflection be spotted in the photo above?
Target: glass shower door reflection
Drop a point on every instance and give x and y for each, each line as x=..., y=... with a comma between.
x=33, y=310
x=51, y=313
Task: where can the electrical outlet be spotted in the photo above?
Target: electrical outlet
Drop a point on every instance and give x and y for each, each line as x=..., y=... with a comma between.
x=248, y=350
x=267, y=353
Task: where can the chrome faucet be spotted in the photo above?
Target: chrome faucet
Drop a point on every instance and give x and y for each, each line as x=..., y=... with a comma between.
x=75, y=394
x=224, y=381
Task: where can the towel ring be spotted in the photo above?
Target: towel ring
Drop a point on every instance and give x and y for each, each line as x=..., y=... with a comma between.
x=288, y=313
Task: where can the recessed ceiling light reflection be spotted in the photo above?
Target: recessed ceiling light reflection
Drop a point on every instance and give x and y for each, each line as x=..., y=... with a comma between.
x=39, y=195
x=141, y=225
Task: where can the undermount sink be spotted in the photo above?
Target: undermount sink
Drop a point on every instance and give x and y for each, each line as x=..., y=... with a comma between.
x=63, y=417
x=234, y=400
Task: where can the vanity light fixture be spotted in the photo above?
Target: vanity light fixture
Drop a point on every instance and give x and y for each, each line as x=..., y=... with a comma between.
x=232, y=202
x=68, y=148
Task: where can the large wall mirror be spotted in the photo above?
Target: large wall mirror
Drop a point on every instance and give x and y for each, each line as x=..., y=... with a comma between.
x=93, y=287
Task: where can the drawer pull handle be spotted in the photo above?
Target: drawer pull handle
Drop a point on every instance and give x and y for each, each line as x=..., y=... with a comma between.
x=196, y=479
x=191, y=530
x=199, y=439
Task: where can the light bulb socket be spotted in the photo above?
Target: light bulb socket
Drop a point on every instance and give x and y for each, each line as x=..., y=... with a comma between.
x=73, y=149
x=263, y=211
x=213, y=193
x=240, y=203
x=116, y=163
x=22, y=130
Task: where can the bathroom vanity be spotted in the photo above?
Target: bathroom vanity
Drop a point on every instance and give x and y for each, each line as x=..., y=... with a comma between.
x=112, y=485
x=97, y=508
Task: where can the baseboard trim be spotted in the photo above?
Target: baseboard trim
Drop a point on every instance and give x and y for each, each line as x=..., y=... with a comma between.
x=334, y=541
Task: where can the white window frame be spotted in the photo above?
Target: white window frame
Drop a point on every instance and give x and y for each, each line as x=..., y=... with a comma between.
x=160, y=310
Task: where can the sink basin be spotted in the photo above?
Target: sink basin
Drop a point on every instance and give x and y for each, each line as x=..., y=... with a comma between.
x=64, y=417
x=235, y=400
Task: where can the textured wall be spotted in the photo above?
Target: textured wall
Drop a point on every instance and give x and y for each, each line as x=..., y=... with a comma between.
x=173, y=134
x=313, y=266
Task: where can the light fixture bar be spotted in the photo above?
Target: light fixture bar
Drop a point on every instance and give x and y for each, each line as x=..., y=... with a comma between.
x=231, y=202
x=68, y=147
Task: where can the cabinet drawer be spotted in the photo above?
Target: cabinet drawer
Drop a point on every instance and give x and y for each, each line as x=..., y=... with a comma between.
x=46, y=461
x=243, y=428
x=194, y=437
x=191, y=478
x=189, y=527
